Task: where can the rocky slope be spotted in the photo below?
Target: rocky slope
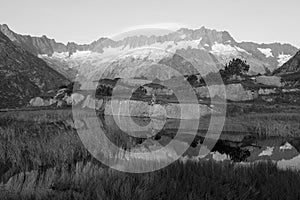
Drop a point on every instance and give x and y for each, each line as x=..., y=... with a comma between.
x=23, y=75
x=292, y=66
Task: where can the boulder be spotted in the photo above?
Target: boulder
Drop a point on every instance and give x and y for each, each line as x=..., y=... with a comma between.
x=36, y=102
x=269, y=80
x=234, y=92
x=76, y=98
x=52, y=101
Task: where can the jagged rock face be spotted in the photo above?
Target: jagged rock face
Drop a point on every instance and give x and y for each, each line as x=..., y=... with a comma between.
x=293, y=65
x=35, y=45
x=23, y=75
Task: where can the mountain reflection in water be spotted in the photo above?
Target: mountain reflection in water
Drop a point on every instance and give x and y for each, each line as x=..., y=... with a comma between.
x=235, y=142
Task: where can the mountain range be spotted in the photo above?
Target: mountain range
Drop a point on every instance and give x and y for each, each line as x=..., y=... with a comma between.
x=147, y=56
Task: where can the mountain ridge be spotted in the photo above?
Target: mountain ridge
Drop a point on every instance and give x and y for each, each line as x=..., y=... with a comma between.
x=192, y=35
x=219, y=46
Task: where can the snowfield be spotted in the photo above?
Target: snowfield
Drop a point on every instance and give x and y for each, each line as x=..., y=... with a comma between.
x=268, y=52
x=282, y=58
x=226, y=50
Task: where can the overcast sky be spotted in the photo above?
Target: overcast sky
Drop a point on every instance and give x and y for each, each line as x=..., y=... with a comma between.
x=84, y=21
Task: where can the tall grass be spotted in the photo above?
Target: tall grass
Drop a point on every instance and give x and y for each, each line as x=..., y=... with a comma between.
x=190, y=180
x=29, y=145
x=43, y=161
x=273, y=125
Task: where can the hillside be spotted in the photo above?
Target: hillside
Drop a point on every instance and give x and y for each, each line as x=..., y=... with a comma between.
x=291, y=66
x=23, y=75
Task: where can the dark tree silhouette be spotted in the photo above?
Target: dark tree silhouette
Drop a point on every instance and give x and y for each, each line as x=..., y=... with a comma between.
x=235, y=67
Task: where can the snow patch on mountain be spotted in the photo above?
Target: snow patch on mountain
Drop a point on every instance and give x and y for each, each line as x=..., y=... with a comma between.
x=155, y=51
x=108, y=51
x=226, y=50
x=172, y=46
x=56, y=55
x=268, y=52
x=242, y=50
x=82, y=54
x=42, y=55
x=61, y=55
x=146, y=53
x=282, y=58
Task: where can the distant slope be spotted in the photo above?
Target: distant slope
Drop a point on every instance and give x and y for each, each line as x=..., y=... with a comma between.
x=23, y=75
x=291, y=66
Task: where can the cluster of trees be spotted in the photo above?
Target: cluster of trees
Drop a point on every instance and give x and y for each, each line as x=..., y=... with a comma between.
x=235, y=67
